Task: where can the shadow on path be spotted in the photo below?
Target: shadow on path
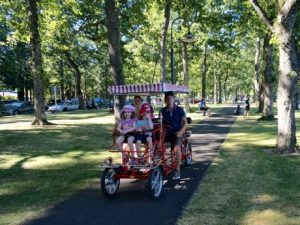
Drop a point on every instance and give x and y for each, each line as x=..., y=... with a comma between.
x=132, y=205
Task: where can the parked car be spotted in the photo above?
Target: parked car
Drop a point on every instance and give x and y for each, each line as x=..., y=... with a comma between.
x=64, y=106
x=18, y=107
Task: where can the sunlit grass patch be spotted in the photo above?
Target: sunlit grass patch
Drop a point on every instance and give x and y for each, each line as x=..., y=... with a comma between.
x=49, y=162
x=247, y=183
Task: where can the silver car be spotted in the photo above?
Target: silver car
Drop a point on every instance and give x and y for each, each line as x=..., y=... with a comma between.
x=64, y=106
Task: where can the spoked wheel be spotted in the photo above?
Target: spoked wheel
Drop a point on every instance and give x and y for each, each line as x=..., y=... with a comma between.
x=188, y=154
x=155, y=184
x=109, y=184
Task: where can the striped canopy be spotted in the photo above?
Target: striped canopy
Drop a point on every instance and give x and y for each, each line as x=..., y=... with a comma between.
x=146, y=89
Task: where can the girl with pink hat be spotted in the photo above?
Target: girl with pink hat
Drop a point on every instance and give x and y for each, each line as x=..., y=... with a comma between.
x=127, y=125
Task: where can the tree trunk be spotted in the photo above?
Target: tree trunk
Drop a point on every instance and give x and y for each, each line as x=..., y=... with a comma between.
x=297, y=98
x=284, y=27
x=204, y=69
x=256, y=79
x=225, y=86
x=77, y=78
x=220, y=88
x=215, y=87
x=260, y=99
x=37, y=71
x=62, y=79
x=186, y=74
x=163, y=53
x=113, y=33
x=268, y=79
x=287, y=85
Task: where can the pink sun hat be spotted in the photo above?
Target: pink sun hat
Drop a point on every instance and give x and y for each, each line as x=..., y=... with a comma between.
x=129, y=108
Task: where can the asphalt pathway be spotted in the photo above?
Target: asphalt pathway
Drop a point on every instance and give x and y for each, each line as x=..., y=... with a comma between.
x=132, y=205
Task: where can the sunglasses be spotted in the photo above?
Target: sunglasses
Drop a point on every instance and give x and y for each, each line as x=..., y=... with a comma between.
x=127, y=111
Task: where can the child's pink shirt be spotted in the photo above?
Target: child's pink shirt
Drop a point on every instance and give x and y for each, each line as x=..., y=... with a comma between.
x=127, y=124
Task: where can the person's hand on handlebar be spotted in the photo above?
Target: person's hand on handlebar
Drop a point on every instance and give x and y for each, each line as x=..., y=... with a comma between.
x=179, y=133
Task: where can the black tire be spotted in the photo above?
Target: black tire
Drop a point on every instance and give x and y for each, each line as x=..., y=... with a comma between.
x=16, y=112
x=109, y=185
x=155, y=183
x=65, y=110
x=188, y=155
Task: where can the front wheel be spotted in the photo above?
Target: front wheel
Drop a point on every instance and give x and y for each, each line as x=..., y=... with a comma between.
x=188, y=154
x=155, y=183
x=109, y=184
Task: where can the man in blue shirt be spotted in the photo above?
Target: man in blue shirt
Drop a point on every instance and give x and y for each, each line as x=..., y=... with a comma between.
x=176, y=118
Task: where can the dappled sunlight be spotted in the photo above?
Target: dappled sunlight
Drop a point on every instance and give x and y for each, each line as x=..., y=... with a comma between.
x=265, y=217
x=8, y=161
x=45, y=162
x=264, y=198
x=217, y=161
x=13, y=123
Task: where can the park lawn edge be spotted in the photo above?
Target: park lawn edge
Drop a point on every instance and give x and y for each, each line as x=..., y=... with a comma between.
x=246, y=183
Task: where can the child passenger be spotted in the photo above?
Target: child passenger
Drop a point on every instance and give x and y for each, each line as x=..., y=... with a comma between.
x=144, y=125
x=127, y=125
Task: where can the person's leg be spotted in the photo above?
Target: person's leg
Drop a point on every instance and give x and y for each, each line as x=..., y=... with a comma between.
x=138, y=147
x=177, y=150
x=208, y=111
x=130, y=141
x=120, y=142
x=150, y=147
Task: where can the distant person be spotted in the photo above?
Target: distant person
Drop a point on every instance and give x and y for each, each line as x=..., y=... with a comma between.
x=238, y=110
x=203, y=107
x=247, y=106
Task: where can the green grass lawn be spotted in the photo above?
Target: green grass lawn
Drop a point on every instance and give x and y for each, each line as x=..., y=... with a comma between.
x=41, y=166
x=247, y=184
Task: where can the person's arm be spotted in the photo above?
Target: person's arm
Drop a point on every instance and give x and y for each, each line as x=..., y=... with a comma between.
x=137, y=127
x=183, y=128
x=151, y=125
x=120, y=128
x=131, y=129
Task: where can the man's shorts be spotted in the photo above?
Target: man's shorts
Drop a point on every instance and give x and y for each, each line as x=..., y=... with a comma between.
x=173, y=139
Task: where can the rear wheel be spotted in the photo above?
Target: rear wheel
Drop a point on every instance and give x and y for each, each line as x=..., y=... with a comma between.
x=109, y=184
x=188, y=154
x=16, y=112
x=155, y=183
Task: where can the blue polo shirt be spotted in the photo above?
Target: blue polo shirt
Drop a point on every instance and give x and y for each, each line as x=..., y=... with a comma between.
x=173, y=117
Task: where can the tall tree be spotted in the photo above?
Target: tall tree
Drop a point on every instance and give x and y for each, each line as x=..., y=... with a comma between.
x=163, y=52
x=113, y=33
x=258, y=89
x=37, y=70
x=204, y=70
x=283, y=26
x=269, y=78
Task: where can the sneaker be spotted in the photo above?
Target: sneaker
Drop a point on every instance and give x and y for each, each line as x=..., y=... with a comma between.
x=176, y=175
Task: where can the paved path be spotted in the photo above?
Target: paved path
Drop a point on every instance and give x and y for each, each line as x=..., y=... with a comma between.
x=132, y=205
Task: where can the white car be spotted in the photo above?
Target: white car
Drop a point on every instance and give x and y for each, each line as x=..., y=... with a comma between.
x=64, y=106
